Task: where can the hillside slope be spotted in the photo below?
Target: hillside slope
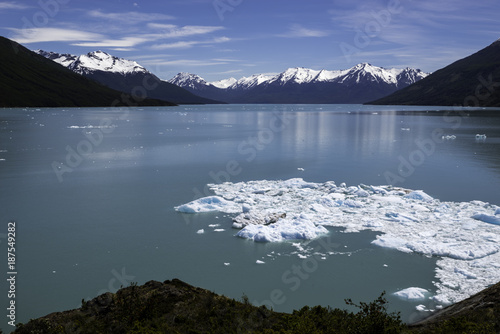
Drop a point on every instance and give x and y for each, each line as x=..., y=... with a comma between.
x=177, y=307
x=30, y=80
x=471, y=81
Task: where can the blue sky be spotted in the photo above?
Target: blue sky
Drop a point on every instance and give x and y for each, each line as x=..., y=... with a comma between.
x=218, y=39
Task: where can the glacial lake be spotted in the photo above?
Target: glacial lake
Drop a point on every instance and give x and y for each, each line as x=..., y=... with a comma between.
x=93, y=192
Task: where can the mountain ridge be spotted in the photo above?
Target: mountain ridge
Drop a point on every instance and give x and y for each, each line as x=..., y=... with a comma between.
x=470, y=81
x=124, y=75
x=303, y=85
x=30, y=80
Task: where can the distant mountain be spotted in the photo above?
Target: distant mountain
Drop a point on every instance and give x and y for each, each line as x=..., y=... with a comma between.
x=472, y=81
x=29, y=80
x=358, y=84
x=124, y=75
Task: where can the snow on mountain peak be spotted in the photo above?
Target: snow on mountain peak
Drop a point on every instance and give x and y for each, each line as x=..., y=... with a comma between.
x=102, y=61
x=363, y=72
x=63, y=59
x=298, y=75
x=184, y=79
x=225, y=83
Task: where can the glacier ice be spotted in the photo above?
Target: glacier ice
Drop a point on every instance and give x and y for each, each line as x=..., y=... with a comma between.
x=209, y=204
x=412, y=294
x=464, y=236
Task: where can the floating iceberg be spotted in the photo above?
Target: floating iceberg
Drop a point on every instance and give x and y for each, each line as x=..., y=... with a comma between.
x=465, y=236
x=412, y=294
x=209, y=204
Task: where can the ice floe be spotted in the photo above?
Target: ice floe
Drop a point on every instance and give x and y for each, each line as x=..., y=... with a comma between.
x=412, y=294
x=209, y=204
x=464, y=236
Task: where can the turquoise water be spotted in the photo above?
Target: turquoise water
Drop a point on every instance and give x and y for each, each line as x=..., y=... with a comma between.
x=93, y=193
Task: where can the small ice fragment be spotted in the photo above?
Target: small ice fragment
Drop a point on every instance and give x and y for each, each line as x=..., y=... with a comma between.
x=227, y=263
x=411, y=294
x=386, y=265
x=362, y=193
x=419, y=195
x=259, y=262
x=219, y=230
x=302, y=256
x=422, y=308
x=301, y=169
x=200, y=231
x=487, y=218
x=209, y=204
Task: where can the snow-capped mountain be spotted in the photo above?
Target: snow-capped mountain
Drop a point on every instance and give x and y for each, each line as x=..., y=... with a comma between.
x=124, y=75
x=187, y=80
x=359, y=84
x=95, y=61
x=224, y=83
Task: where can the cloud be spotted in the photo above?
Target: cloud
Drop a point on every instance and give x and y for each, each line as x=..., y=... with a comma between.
x=124, y=42
x=189, y=44
x=297, y=30
x=35, y=35
x=12, y=5
x=173, y=31
x=185, y=62
x=130, y=17
x=176, y=45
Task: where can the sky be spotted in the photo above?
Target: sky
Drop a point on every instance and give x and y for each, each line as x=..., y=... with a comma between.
x=218, y=39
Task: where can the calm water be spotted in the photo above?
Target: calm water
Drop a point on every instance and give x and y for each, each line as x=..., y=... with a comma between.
x=105, y=218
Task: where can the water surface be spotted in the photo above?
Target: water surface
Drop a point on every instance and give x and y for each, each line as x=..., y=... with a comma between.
x=93, y=194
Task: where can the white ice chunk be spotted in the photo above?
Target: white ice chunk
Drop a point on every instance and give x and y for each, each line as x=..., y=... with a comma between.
x=209, y=204
x=487, y=218
x=259, y=262
x=284, y=229
x=200, y=231
x=419, y=195
x=412, y=294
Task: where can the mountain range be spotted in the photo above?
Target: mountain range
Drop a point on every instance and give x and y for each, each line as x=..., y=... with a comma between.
x=471, y=81
x=30, y=80
x=361, y=83
x=124, y=75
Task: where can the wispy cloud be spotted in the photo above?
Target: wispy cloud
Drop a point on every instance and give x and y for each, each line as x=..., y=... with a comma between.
x=124, y=42
x=12, y=5
x=186, y=62
x=35, y=35
x=189, y=44
x=173, y=31
x=297, y=30
x=130, y=17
